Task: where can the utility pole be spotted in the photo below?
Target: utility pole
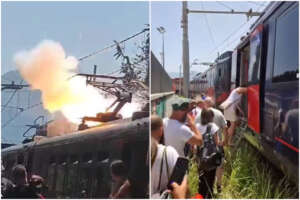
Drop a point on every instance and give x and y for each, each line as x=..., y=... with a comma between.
x=185, y=41
x=179, y=81
x=185, y=50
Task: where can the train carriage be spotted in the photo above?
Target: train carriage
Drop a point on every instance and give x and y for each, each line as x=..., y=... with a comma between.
x=267, y=62
x=78, y=163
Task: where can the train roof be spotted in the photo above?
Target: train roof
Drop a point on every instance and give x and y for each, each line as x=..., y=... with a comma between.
x=104, y=131
x=266, y=13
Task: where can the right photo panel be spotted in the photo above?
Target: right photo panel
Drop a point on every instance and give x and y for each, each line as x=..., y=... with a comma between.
x=224, y=99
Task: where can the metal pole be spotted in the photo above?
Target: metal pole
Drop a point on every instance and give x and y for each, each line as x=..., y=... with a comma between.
x=248, y=14
x=163, y=47
x=185, y=50
x=179, y=81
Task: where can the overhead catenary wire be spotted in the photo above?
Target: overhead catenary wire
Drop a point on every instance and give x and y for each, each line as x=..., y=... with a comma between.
x=209, y=29
x=112, y=46
x=224, y=42
x=255, y=3
x=18, y=114
x=223, y=4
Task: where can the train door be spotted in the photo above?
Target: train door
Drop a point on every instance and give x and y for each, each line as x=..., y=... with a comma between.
x=244, y=63
x=282, y=83
x=254, y=79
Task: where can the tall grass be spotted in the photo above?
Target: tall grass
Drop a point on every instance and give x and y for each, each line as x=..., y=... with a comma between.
x=248, y=175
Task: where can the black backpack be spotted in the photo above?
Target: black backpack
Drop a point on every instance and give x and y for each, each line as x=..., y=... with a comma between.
x=210, y=155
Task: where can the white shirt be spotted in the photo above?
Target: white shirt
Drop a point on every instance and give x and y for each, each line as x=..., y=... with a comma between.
x=232, y=100
x=176, y=134
x=202, y=128
x=219, y=118
x=172, y=156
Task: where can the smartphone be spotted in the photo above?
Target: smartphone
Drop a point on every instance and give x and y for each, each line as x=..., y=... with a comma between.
x=179, y=171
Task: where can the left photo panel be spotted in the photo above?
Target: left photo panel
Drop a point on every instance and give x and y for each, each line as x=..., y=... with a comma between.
x=75, y=100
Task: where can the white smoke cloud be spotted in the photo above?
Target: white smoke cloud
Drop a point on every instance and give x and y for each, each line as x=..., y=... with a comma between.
x=47, y=68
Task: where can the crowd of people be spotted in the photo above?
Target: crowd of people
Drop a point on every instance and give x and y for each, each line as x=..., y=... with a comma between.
x=194, y=130
x=23, y=186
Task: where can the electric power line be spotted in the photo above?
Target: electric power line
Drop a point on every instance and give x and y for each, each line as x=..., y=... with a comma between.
x=209, y=29
x=113, y=45
x=223, y=4
x=18, y=114
x=232, y=34
x=255, y=3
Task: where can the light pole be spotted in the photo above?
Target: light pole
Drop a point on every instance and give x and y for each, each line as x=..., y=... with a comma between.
x=162, y=30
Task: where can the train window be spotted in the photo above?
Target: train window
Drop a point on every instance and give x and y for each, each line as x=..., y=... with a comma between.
x=71, y=182
x=255, y=55
x=51, y=176
x=286, y=61
x=74, y=159
x=60, y=179
x=21, y=159
x=63, y=159
x=234, y=67
x=101, y=182
x=102, y=155
x=84, y=180
x=87, y=157
x=52, y=160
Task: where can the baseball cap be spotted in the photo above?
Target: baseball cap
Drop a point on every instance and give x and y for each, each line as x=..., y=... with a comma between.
x=181, y=104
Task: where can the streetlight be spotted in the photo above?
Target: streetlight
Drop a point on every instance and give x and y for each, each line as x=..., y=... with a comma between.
x=162, y=30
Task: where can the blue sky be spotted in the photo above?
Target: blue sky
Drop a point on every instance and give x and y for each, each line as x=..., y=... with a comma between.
x=201, y=43
x=81, y=27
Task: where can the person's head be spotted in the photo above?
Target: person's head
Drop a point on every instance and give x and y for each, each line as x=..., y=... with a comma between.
x=180, y=110
x=200, y=102
x=156, y=127
x=118, y=170
x=19, y=175
x=209, y=102
x=207, y=116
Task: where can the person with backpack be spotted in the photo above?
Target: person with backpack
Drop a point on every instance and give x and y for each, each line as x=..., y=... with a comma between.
x=209, y=154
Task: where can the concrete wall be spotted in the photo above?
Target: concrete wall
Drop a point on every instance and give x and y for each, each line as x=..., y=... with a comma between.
x=160, y=80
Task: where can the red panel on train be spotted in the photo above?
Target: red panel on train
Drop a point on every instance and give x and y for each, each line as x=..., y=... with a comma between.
x=253, y=108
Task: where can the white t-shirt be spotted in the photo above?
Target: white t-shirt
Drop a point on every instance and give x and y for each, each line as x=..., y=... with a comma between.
x=176, y=134
x=232, y=100
x=171, y=156
x=202, y=128
x=219, y=118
